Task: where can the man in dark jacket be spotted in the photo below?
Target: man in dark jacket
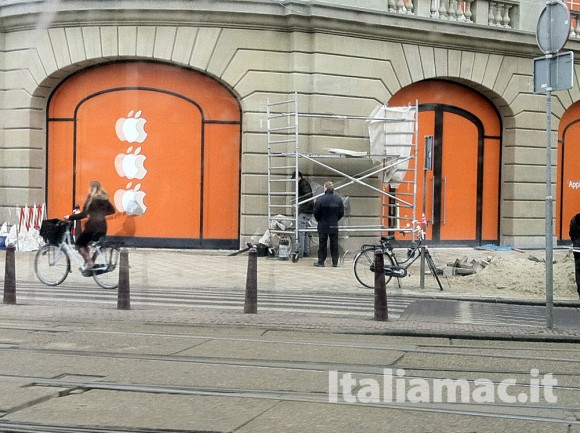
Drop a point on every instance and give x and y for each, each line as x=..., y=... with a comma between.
x=575, y=236
x=305, y=211
x=328, y=210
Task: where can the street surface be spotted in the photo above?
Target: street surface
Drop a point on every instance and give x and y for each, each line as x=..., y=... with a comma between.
x=186, y=358
x=354, y=304
x=87, y=374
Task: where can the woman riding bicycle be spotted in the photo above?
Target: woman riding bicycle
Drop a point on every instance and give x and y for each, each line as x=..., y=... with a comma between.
x=97, y=206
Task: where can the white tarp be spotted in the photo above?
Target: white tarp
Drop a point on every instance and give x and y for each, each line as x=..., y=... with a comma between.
x=391, y=138
x=26, y=240
x=24, y=234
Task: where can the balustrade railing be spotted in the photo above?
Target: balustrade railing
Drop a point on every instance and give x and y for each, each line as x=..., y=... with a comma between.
x=575, y=24
x=499, y=14
x=401, y=6
x=496, y=13
x=452, y=10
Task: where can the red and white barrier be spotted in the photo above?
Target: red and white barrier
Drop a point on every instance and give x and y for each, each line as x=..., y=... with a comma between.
x=24, y=233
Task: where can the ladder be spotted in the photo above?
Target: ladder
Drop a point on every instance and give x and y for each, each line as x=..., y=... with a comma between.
x=283, y=151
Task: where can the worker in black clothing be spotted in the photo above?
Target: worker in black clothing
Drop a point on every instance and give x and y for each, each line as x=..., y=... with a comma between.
x=305, y=211
x=328, y=210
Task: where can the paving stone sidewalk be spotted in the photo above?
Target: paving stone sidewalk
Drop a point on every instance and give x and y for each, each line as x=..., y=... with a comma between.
x=219, y=270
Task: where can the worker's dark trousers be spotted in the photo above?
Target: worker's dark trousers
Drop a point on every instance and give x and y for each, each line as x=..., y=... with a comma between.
x=322, y=241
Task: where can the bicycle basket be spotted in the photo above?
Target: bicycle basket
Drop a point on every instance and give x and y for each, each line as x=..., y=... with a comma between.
x=53, y=230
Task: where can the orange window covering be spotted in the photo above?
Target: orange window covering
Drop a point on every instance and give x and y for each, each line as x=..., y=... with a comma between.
x=161, y=139
x=456, y=187
x=568, y=172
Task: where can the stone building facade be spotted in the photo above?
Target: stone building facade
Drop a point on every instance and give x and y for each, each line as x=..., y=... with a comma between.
x=67, y=65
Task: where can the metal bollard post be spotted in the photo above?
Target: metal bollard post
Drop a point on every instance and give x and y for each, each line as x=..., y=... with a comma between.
x=123, y=294
x=381, y=312
x=10, y=276
x=251, y=302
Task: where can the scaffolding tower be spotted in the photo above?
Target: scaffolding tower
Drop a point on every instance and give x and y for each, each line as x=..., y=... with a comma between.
x=394, y=164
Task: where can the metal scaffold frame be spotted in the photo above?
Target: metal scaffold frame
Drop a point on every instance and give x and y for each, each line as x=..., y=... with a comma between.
x=397, y=205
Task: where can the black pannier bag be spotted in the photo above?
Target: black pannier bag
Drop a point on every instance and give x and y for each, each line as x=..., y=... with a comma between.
x=53, y=230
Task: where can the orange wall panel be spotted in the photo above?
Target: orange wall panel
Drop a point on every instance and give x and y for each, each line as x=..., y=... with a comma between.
x=568, y=181
x=459, y=183
x=60, y=169
x=217, y=102
x=164, y=142
x=221, y=181
x=448, y=93
x=568, y=174
x=172, y=149
x=491, y=179
x=426, y=127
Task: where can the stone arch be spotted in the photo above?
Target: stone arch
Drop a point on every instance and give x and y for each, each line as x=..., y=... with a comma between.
x=177, y=147
x=463, y=189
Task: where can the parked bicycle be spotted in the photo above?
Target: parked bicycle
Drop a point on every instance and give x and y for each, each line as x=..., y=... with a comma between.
x=52, y=263
x=364, y=261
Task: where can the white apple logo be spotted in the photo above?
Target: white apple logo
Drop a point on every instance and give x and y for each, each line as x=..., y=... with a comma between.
x=130, y=164
x=131, y=128
x=130, y=200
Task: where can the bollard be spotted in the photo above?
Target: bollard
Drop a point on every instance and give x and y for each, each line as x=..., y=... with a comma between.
x=381, y=313
x=123, y=294
x=251, y=302
x=10, y=276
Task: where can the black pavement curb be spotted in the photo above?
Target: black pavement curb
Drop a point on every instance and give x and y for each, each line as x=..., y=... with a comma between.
x=467, y=298
x=479, y=336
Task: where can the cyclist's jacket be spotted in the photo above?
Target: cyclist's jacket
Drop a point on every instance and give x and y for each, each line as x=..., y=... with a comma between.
x=575, y=230
x=96, y=208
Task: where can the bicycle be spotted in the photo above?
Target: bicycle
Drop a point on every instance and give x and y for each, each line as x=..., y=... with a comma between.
x=52, y=263
x=364, y=261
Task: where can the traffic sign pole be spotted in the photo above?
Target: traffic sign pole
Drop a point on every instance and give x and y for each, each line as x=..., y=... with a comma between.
x=549, y=244
x=552, y=33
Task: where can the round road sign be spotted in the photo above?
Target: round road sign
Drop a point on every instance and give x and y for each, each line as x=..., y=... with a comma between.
x=553, y=27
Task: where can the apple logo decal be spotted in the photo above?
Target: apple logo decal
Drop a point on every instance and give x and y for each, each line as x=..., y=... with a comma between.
x=130, y=200
x=130, y=165
x=131, y=128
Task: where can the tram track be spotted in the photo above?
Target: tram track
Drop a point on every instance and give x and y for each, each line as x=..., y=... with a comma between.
x=360, y=367
x=26, y=427
x=101, y=350
x=451, y=350
x=536, y=413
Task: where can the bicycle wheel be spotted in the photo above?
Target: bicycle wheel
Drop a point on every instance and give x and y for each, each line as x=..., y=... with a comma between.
x=51, y=265
x=364, y=267
x=106, y=269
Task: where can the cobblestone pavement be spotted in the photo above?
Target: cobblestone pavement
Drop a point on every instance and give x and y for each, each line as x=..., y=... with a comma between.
x=71, y=366
x=218, y=270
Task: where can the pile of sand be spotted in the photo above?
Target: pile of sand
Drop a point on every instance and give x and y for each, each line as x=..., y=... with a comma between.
x=519, y=275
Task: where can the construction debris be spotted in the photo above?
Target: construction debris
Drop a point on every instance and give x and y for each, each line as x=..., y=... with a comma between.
x=464, y=266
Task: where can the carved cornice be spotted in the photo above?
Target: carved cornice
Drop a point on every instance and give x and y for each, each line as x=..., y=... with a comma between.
x=274, y=15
